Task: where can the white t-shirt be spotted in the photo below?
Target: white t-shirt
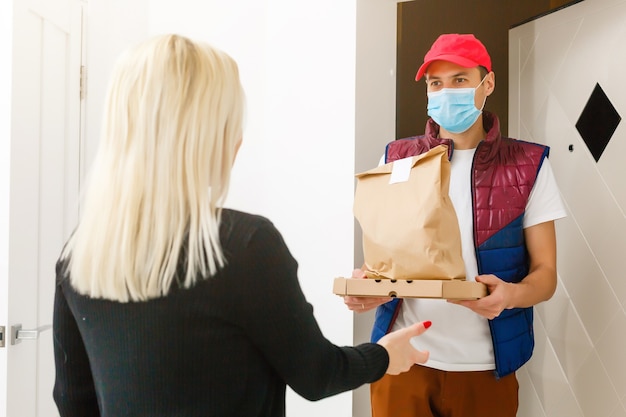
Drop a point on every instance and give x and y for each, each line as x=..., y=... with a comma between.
x=459, y=339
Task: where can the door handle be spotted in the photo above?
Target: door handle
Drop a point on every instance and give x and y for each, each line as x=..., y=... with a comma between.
x=18, y=334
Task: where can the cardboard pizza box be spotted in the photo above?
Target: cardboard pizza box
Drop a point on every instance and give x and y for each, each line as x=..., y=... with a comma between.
x=420, y=288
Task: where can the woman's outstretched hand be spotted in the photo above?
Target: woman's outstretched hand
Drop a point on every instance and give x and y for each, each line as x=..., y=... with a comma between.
x=402, y=355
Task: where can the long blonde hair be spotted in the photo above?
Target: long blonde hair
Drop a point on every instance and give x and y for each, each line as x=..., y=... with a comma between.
x=172, y=124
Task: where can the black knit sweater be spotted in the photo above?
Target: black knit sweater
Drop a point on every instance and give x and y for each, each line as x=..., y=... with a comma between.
x=226, y=347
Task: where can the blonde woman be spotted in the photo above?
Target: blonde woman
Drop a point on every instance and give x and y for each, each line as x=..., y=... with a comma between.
x=167, y=304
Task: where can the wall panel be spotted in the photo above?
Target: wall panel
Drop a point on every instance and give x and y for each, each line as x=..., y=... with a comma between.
x=556, y=63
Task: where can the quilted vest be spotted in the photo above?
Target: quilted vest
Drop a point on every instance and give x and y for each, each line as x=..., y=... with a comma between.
x=503, y=174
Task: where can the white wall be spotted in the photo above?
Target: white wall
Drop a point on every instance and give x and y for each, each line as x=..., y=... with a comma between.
x=111, y=26
x=6, y=51
x=296, y=164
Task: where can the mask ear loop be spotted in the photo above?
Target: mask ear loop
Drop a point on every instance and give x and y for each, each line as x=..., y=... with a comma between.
x=485, y=99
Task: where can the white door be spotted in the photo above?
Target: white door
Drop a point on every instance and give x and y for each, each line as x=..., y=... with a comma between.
x=44, y=185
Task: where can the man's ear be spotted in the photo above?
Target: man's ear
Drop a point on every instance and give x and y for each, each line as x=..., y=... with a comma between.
x=490, y=83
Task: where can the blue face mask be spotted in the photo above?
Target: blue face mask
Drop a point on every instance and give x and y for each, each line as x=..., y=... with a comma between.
x=454, y=108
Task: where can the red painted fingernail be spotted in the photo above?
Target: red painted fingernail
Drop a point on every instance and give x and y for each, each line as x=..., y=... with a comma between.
x=427, y=324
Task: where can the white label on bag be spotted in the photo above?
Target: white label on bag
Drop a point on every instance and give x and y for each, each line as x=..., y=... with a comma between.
x=401, y=170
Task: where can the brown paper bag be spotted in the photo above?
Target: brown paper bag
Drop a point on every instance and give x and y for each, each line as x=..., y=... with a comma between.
x=410, y=229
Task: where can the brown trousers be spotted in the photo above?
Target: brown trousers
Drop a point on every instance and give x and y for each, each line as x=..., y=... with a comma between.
x=428, y=392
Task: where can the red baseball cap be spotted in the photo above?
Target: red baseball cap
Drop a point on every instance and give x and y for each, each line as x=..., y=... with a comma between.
x=463, y=50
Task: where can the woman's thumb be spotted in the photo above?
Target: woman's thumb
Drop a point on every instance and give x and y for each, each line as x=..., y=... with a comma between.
x=419, y=328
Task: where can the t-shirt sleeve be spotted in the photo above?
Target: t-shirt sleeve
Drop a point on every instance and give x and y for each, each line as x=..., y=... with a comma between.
x=280, y=322
x=545, y=203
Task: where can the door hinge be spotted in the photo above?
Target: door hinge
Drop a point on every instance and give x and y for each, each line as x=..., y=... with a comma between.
x=2, y=336
x=83, y=82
